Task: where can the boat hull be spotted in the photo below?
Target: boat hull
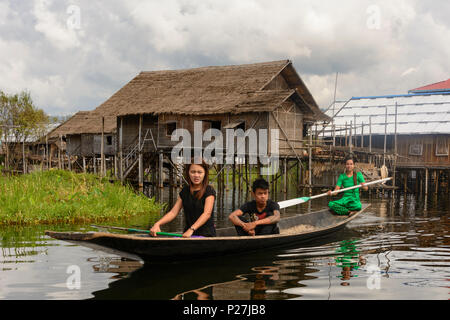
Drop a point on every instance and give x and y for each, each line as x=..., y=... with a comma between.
x=175, y=249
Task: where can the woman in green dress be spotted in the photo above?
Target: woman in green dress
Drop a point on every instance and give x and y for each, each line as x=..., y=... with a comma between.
x=349, y=202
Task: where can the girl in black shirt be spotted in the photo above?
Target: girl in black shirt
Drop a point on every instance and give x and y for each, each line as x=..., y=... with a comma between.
x=197, y=200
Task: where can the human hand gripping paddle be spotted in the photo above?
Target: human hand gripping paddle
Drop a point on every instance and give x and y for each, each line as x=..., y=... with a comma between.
x=293, y=202
x=145, y=231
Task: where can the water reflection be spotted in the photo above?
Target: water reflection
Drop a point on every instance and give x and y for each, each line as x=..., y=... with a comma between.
x=349, y=260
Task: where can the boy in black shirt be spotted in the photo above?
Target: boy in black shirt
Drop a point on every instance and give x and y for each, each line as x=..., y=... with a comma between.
x=263, y=213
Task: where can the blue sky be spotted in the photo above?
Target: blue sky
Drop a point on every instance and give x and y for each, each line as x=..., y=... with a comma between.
x=73, y=55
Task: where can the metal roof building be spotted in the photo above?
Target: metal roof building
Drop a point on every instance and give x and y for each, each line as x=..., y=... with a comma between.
x=424, y=113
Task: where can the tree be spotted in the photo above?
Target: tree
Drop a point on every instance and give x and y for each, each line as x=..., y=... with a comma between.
x=20, y=121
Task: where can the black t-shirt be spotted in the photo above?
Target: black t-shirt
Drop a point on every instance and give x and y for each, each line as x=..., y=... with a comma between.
x=193, y=209
x=250, y=209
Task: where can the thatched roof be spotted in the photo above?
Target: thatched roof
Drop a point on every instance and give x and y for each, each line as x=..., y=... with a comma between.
x=86, y=122
x=209, y=90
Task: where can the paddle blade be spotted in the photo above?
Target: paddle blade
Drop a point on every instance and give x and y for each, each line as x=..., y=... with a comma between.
x=293, y=202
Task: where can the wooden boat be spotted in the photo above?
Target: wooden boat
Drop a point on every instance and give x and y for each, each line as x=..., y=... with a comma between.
x=293, y=229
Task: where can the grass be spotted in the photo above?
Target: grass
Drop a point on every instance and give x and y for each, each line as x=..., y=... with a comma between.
x=57, y=196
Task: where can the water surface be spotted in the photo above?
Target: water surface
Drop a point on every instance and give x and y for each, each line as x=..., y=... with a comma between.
x=398, y=249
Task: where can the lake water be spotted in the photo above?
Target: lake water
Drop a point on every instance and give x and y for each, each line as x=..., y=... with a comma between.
x=398, y=249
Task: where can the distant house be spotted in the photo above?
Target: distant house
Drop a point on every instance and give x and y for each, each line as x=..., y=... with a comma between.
x=82, y=135
x=420, y=121
x=268, y=95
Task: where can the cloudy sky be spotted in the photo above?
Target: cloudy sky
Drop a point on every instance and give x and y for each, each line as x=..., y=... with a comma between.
x=73, y=55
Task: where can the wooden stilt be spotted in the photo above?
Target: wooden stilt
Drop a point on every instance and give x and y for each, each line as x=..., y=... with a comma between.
x=102, y=150
x=141, y=158
x=160, y=175
x=121, y=173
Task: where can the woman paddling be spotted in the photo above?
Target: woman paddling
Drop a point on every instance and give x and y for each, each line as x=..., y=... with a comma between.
x=350, y=201
x=197, y=200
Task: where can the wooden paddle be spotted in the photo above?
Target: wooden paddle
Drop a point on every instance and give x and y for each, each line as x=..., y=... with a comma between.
x=293, y=202
x=145, y=231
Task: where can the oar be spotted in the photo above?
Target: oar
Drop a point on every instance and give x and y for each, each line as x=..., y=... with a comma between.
x=293, y=202
x=145, y=231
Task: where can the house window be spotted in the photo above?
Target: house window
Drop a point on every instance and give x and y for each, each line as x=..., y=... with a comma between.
x=208, y=124
x=441, y=147
x=170, y=128
x=108, y=140
x=415, y=149
x=216, y=125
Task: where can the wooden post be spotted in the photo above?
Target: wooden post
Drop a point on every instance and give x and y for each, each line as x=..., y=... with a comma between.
x=234, y=175
x=436, y=181
x=334, y=135
x=102, y=151
x=310, y=163
x=406, y=182
x=141, y=158
x=362, y=135
x=24, y=168
x=426, y=181
x=228, y=178
x=161, y=166
x=116, y=174
x=351, y=138
x=84, y=164
x=395, y=146
x=285, y=175
x=345, y=141
x=370, y=133
x=46, y=152
x=385, y=136
x=120, y=149
x=356, y=136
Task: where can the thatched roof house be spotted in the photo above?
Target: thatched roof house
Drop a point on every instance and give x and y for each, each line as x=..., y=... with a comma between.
x=82, y=133
x=213, y=90
x=265, y=95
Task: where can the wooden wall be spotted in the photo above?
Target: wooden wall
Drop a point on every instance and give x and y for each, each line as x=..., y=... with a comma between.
x=290, y=119
x=73, y=145
x=429, y=145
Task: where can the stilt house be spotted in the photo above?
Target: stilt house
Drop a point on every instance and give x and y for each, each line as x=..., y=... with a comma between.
x=268, y=95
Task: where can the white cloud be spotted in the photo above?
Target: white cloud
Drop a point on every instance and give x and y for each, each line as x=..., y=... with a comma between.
x=72, y=69
x=55, y=29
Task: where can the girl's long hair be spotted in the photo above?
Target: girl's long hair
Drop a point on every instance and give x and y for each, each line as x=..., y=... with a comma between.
x=205, y=181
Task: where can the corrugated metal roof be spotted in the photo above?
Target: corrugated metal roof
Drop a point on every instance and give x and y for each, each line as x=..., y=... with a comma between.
x=416, y=114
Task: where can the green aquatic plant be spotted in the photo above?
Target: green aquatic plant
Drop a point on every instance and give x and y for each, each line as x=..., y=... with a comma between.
x=58, y=196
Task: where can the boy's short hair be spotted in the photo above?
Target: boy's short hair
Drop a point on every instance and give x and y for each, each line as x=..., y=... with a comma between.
x=260, y=184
